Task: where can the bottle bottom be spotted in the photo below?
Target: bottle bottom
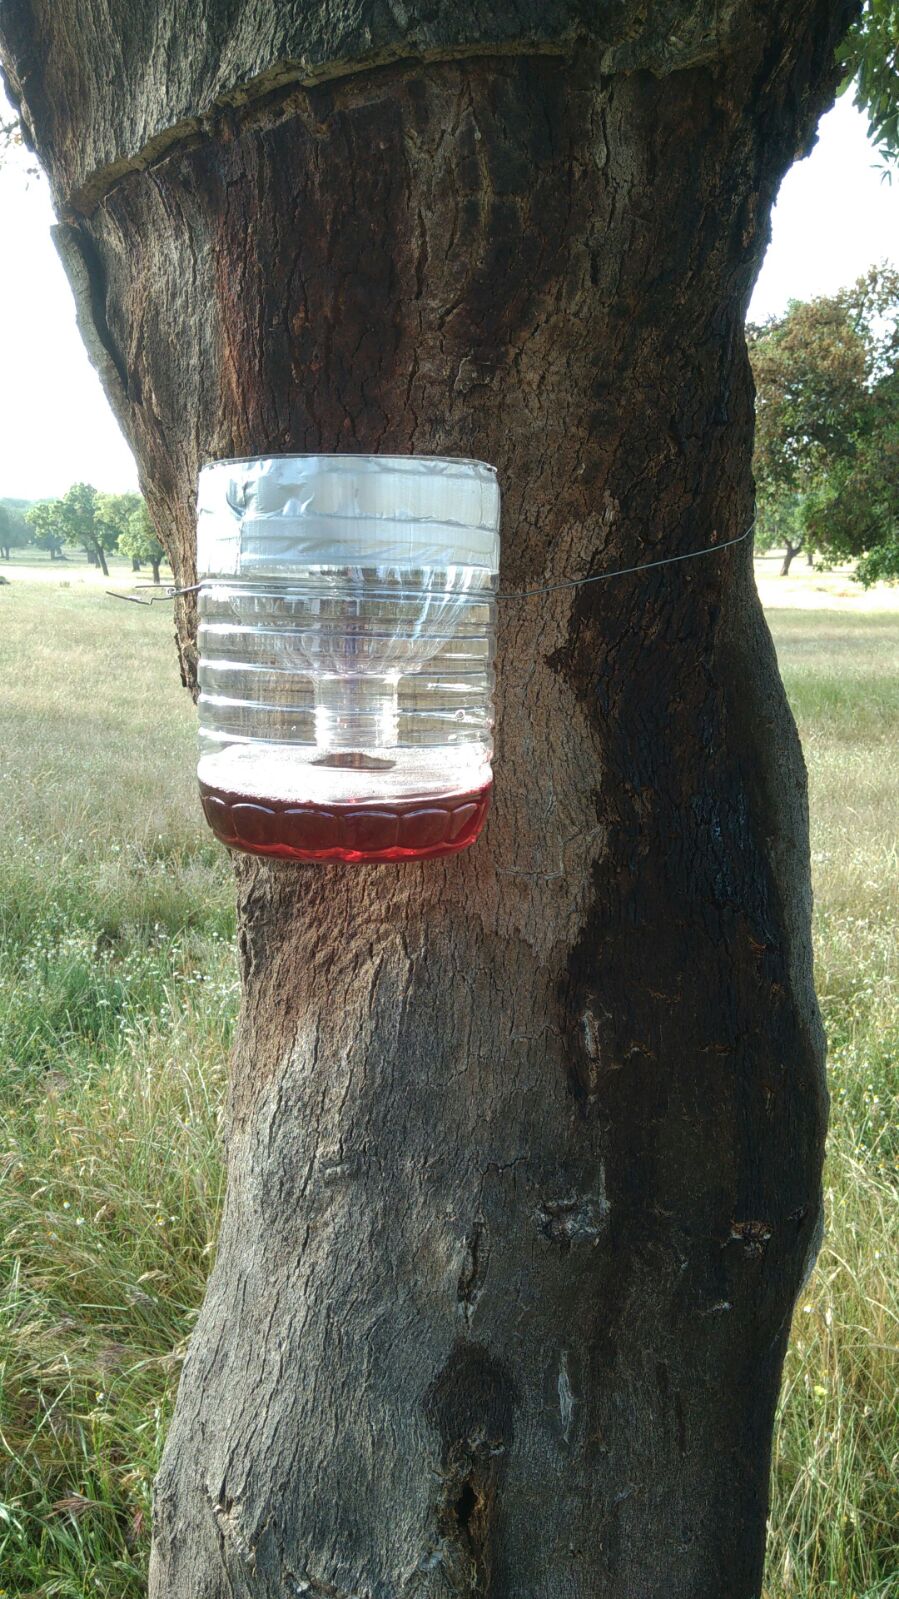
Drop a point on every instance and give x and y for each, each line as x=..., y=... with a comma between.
x=407, y=829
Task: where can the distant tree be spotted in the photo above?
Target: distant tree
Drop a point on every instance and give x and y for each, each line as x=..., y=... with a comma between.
x=856, y=510
x=809, y=367
x=140, y=541
x=115, y=511
x=780, y=525
x=49, y=532
x=15, y=533
x=84, y=524
x=827, y=423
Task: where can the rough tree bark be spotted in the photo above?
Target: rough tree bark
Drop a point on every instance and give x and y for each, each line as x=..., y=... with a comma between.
x=525, y=1146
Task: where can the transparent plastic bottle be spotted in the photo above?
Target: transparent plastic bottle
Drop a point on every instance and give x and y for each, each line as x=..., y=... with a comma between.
x=346, y=641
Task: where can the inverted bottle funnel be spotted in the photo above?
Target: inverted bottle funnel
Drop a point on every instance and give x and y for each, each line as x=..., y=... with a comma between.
x=346, y=652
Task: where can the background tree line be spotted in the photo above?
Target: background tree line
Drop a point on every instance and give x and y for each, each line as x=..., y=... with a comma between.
x=827, y=427
x=826, y=448
x=84, y=519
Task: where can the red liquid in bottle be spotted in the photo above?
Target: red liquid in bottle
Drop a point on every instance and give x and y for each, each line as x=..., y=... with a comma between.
x=367, y=830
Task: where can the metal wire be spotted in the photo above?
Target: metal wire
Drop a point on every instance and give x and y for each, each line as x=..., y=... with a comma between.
x=509, y=594
x=623, y=571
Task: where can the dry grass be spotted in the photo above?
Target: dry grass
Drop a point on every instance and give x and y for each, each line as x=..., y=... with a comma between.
x=117, y=994
x=835, y=1507
x=117, y=997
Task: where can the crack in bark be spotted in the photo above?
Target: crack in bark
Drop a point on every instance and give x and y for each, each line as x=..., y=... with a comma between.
x=267, y=91
x=465, y=1514
x=474, y=1268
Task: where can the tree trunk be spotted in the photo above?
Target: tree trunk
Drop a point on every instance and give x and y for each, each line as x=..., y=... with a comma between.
x=810, y=557
x=155, y=566
x=790, y=553
x=525, y=1146
x=135, y=564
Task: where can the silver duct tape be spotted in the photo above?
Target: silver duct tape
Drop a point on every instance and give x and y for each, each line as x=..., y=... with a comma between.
x=266, y=516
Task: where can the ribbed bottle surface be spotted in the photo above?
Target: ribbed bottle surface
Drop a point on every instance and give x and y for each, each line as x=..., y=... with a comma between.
x=346, y=707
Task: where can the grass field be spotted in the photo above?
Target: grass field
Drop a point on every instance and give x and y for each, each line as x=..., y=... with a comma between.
x=117, y=999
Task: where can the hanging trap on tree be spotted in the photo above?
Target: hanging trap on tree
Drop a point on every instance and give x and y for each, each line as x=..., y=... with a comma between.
x=346, y=639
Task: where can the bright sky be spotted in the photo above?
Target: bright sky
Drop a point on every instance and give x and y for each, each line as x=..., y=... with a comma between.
x=834, y=218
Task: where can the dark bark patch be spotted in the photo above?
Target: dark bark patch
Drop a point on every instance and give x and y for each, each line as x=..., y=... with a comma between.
x=470, y=1405
x=469, y=1523
x=465, y=1521
x=471, y=1402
